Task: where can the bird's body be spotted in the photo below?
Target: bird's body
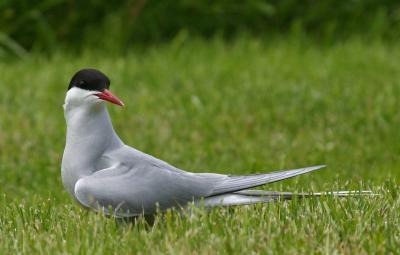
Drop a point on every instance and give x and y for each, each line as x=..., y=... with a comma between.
x=103, y=173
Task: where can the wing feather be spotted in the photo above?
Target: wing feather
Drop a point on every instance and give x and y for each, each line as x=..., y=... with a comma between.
x=241, y=182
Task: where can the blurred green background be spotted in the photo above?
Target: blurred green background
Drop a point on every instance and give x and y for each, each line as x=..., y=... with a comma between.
x=46, y=26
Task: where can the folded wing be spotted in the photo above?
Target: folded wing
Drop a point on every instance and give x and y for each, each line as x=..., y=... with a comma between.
x=241, y=182
x=131, y=191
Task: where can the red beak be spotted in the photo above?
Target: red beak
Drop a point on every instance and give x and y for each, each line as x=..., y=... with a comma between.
x=108, y=96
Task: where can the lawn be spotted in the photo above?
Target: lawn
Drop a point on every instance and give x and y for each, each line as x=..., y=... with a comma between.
x=246, y=106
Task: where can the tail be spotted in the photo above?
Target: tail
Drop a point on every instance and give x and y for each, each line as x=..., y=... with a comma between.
x=246, y=197
x=234, y=190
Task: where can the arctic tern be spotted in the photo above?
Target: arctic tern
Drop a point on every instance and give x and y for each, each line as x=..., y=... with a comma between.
x=104, y=174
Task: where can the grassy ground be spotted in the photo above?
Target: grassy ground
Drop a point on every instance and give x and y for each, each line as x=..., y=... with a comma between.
x=245, y=107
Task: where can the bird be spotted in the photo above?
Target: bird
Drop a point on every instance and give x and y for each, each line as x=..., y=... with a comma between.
x=104, y=174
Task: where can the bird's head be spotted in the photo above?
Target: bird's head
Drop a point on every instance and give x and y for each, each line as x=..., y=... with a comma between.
x=90, y=87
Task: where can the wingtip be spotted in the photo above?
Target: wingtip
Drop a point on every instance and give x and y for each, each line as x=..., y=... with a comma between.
x=317, y=167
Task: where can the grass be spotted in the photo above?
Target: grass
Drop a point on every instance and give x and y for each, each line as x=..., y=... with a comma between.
x=242, y=107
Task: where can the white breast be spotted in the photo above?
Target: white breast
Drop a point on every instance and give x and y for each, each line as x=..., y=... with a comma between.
x=89, y=135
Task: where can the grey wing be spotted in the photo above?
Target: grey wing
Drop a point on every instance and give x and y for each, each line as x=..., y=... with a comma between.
x=242, y=182
x=222, y=183
x=133, y=191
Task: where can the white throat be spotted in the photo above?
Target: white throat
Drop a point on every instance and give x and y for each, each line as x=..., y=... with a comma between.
x=89, y=135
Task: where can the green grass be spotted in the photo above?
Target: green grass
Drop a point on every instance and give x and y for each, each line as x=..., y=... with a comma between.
x=242, y=107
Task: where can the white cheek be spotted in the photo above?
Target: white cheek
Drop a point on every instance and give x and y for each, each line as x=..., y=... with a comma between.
x=94, y=100
x=77, y=98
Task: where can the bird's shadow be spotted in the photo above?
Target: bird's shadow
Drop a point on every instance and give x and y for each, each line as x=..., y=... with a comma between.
x=150, y=220
x=146, y=220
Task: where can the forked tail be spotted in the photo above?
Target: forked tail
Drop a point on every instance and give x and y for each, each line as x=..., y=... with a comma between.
x=246, y=197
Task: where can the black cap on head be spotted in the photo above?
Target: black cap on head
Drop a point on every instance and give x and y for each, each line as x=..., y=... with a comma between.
x=90, y=79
